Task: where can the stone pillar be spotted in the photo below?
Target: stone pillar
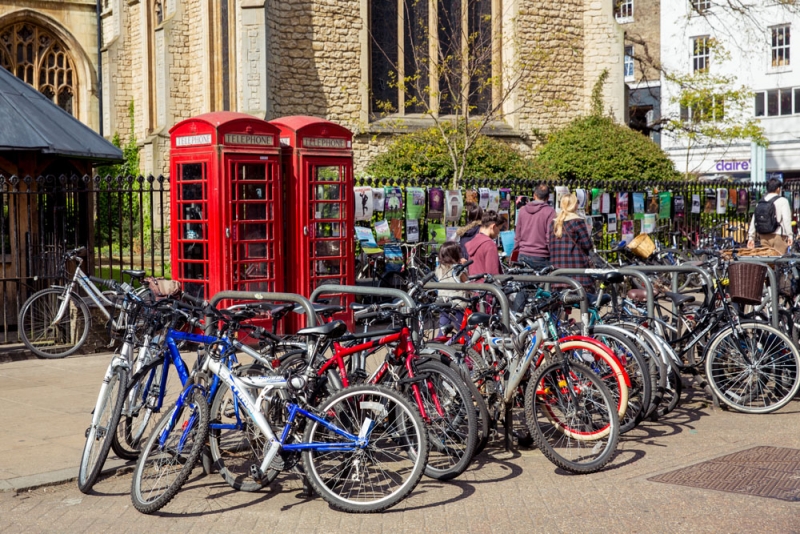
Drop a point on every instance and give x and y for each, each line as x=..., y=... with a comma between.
x=251, y=47
x=604, y=48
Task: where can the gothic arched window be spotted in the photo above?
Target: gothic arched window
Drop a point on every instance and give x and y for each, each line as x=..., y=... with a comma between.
x=39, y=58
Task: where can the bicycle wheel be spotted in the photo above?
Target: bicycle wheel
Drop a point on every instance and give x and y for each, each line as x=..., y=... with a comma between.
x=451, y=418
x=604, y=366
x=572, y=416
x=48, y=340
x=148, y=392
x=236, y=443
x=170, y=454
x=755, y=371
x=104, y=422
x=375, y=477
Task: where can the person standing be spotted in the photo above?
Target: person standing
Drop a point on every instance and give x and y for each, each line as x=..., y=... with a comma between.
x=533, y=230
x=482, y=249
x=570, y=242
x=772, y=220
x=467, y=233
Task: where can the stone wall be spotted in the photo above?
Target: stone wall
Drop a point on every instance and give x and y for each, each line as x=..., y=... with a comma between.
x=604, y=49
x=644, y=34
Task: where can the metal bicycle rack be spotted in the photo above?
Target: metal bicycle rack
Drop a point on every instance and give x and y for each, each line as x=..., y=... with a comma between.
x=675, y=270
x=501, y=297
x=308, y=309
x=627, y=271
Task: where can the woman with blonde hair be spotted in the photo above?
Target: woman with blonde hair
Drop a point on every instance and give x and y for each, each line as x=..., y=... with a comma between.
x=570, y=242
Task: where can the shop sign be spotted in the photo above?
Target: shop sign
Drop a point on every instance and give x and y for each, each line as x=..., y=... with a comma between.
x=732, y=166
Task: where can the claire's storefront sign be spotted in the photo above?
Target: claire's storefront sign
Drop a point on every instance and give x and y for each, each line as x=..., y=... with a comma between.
x=729, y=165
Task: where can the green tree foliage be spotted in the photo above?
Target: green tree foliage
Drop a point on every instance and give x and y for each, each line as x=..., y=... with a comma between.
x=425, y=154
x=116, y=208
x=597, y=147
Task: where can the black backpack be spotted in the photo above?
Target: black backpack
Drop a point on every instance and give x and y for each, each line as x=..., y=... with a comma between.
x=765, y=217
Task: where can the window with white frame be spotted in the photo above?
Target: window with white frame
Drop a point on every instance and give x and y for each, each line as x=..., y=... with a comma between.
x=624, y=10
x=708, y=109
x=701, y=54
x=780, y=46
x=701, y=6
x=419, y=50
x=778, y=102
x=629, y=63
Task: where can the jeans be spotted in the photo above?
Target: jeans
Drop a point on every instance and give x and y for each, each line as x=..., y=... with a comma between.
x=534, y=263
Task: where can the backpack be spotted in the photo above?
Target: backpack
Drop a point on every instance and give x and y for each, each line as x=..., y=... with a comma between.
x=766, y=220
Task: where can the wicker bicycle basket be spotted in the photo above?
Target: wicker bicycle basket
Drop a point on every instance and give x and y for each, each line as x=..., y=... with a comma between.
x=642, y=246
x=746, y=282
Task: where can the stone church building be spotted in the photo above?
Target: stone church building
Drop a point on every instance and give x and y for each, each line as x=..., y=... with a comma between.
x=168, y=60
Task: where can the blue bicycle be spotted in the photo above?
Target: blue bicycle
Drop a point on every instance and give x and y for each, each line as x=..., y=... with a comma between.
x=363, y=449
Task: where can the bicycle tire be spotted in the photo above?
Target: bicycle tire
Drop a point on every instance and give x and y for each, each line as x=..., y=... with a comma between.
x=580, y=437
x=399, y=436
x=99, y=436
x=771, y=381
x=453, y=433
x=44, y=340
x=234, y=451
x=448, y=352
x=141, y=405
x=608, y=369
x=187, y=423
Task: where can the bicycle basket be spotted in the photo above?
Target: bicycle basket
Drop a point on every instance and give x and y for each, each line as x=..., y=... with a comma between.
x=746, y=282
x=642, y=246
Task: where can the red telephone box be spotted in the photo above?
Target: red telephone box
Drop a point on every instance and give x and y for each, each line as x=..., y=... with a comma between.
x=226, y=199
x=318, y=173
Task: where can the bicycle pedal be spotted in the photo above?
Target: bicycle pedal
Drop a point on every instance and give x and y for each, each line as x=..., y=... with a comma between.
x=255, y=473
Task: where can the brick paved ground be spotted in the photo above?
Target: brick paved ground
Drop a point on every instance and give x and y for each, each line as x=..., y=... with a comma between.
x=503, y=492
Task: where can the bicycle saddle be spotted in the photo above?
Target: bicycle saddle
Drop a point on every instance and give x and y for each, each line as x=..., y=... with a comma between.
x=679, y=299
x=609, y=278
x=138, y=274
x=326, y=310
x=640, y=295
x=332, y=330
x=476, y=319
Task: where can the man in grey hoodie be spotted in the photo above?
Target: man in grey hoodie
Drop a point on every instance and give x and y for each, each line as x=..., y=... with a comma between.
x=533, y=230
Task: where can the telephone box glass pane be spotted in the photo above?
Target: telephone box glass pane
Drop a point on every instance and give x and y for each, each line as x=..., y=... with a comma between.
x=327, y=267
x=330, y=229
x=252, y=171
x=192, y=172
x=191, y=191
x=254, y=270
x=327, y=211
x=253, y=250
x=195, y=290
x=328, y=192
x=329, y=174
x=328, y=248
x=252, y=231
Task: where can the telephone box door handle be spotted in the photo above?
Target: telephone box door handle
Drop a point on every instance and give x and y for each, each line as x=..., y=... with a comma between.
x=305, y=230
x=228, y=233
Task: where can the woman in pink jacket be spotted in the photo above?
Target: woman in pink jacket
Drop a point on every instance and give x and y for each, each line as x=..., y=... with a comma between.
x=482, y=249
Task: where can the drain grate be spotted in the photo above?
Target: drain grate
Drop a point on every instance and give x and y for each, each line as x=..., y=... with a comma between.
x=771, y=472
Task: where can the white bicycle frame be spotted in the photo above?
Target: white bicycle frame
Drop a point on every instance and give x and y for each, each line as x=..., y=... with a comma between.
x=82, y=279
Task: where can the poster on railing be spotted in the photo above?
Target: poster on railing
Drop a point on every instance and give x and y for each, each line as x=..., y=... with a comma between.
x=394, y=203
x=627, y=231
x=494, y=200
x=454, y=204
x=638, y=206
x=412, y=231
x=415, y=202
x=664, y=205
x=733, y=196
x=653, y=203
x=483, y=198
x=649, y=223
x=437, y=233
x=471, y=196
x=364, y=203
x=605, y=203
x=612, y=223
x=367, y=240
x=378, y=198
x=451, y=233
x=396, y=227
x=596, y=196
x=435, y=203
x=680, y=207
x=796, y=203
x=580, y=195
x=743, y=202
x=711, y=201
x=561, y=191
x=722, y=201
x=505, y=200
x=383, y=232
x=507, y=240
x=695, y=203
x=622, y=206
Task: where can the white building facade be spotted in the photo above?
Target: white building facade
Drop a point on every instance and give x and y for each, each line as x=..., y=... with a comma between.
x=760, y=53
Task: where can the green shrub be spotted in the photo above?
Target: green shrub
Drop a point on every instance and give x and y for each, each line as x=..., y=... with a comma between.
x=598, y=148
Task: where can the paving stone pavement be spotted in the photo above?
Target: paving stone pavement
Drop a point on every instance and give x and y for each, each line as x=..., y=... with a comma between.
x=502, y=492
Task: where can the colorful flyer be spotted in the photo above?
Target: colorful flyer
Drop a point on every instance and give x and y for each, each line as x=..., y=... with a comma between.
x=364, y=203
x=437, y=233
x=396, y=227
x=680, y=207
x=742, y=203
x=367, y=240
x=638, y=205
x=494, y=200
x=394, y=203
x=612, y=223
x=435, y=203
x=664, y=205
x=561, y=191
x=733, y=196
x=483, y=200
x=622, y=206
x=605, y=203
x=580, y=194
x=627, y=231
x=507, y=240
x=652, y=203
x=451, y=233
x=383, y=231
x=471, y=196
x=695, y=203
x=412, y=231
x=649, y=223
x=505, y=200
x=711, y=201
x=415, y=202
x=378, y=197
x=454, y=205
x=596, y=196
x=722, y=201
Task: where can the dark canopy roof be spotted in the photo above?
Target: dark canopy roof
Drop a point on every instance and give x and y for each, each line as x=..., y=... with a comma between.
x=32, y=122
